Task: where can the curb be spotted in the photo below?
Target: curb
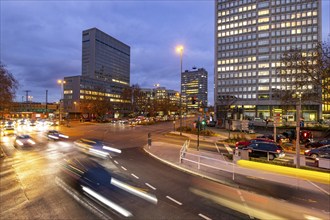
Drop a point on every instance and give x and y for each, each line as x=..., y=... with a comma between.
x=187, y=170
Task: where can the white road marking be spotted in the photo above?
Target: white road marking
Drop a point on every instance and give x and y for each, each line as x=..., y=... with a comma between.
x=123, y=168
x=230, y=151
x=173, y=200
x=217, y=147
x=115, y=162
x=204, y=217
x=135, y=176
x=326, y=192
x=244, y=203
x=152, y=187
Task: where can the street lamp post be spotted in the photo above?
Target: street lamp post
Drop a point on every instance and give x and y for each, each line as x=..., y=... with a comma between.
x=61, y=82
x=179, y=49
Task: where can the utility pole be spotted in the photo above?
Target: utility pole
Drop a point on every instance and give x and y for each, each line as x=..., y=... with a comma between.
x=46, y=103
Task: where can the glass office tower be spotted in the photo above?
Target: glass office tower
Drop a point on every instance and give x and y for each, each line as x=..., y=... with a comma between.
x=194, y=88
x=251, y=36
x=105, y=58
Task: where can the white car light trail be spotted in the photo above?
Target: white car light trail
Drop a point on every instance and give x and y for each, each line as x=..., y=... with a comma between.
x=107, y=202
x=52, y=136
x=31, y=141
x=149, y=197
x=19, y=142
x=64, y=136
x=98, y=152
x=112, y=149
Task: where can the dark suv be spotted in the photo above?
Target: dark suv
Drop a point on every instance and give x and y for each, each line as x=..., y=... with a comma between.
x=265, y=149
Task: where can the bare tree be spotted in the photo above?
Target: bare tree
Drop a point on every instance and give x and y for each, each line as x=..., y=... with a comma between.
x=305, y=74
x=8, y=87
x=98, y=105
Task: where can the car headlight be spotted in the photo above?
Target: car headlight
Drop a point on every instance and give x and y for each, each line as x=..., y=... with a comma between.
x=306, y=151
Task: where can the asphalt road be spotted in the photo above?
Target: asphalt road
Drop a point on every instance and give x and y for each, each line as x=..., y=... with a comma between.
x=31, y=185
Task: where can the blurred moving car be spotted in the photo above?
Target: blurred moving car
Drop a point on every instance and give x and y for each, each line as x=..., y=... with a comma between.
x=94, y=147
x=323, y=151
x=242, y=144
x=316, y=144
x=87, y=172
x=56, y=135
x=93, y=180
x=24, y=141
x=265, y=149
x=8, y=130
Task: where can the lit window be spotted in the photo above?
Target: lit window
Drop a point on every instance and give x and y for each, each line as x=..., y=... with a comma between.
x=263, y=12
x=263, y=88
x=263, y=27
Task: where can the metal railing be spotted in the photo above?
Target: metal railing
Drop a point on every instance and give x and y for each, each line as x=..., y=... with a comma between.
x=183, y=149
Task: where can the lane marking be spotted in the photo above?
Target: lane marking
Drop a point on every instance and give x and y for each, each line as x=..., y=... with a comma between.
x=217, y=148
x=115, y=162
x=123, y=168
x=150, y=186
x=230, y=151
x=135, y=176
x=245, y=204
x=322, y=190
x=173, y=200
x=204, y=217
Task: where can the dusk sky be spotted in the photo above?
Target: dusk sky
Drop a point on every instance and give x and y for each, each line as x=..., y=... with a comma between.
x=41, y=41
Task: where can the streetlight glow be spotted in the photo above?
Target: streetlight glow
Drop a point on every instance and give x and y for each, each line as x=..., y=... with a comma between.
x=179, y=49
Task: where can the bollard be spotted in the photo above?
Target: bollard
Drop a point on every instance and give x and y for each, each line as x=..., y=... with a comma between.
x=149, y=140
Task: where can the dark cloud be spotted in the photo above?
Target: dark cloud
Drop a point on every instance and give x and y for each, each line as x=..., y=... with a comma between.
x=41, y=40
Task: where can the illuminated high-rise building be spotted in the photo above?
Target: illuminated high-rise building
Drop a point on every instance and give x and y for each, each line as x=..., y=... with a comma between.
x=194, y=88
x=105, y=75
x=251, y=36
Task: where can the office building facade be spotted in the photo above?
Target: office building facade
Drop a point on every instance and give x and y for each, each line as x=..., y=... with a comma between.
x=251, y=36
x=105, y=73
x=194, y=88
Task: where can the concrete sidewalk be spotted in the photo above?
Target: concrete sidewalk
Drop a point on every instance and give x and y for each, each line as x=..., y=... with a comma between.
x=218, y=168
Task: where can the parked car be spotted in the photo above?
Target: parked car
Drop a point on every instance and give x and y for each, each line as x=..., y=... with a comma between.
x=56, y=135
x=280, y=138
x=24, y=141
x=316, y=144
x=305, y=136
x=323, y=151
x=211, y=124
x=242, y=144
x=265, y=149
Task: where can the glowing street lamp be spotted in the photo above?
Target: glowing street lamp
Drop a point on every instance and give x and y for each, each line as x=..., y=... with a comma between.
x=179, y=49
x=61, y=82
